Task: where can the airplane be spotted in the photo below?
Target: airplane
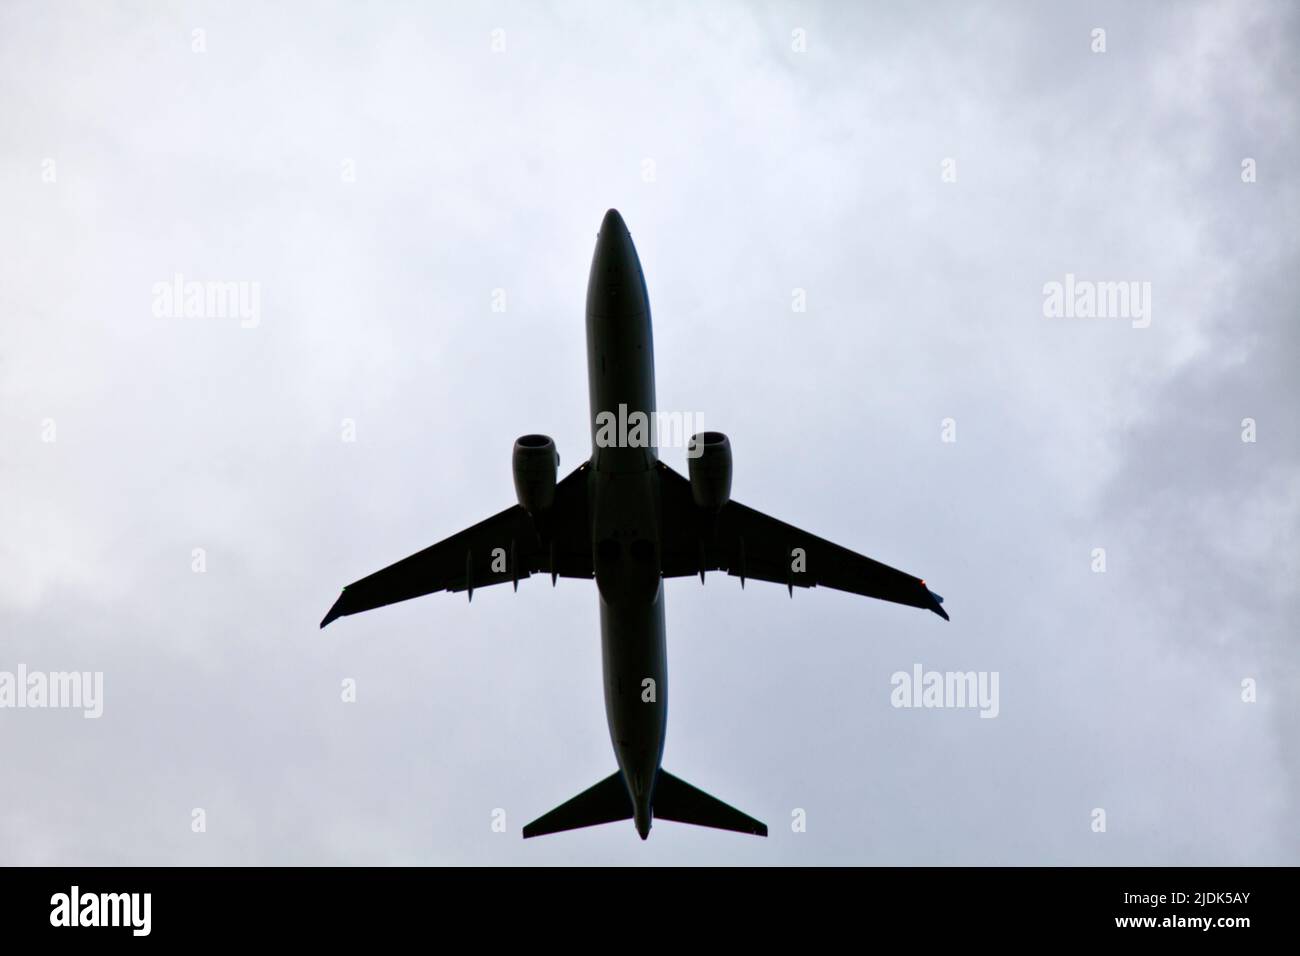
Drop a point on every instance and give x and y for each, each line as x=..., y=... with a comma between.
x=626, y=519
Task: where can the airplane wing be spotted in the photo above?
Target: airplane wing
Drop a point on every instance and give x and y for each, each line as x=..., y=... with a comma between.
x=748, y=544
x=508, y=546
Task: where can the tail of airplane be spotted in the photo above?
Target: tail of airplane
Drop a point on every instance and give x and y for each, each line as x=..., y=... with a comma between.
x=674, y=799
x=677, y=800
x=606, y=802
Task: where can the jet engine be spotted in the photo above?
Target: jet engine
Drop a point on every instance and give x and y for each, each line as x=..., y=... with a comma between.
x=709, y=464
x=535, y=462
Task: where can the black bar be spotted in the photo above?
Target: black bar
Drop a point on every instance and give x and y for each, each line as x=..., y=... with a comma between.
x=211, y=905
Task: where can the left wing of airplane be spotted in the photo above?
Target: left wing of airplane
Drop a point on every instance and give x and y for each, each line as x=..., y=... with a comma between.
x=748, y=544
x=508, y=546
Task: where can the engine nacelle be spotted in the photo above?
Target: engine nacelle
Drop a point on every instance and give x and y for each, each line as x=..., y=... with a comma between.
x=535, y=463
x=709, y=463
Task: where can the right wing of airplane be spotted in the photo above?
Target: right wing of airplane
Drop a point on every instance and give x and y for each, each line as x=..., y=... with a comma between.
x=508, y=546
x=748, y=544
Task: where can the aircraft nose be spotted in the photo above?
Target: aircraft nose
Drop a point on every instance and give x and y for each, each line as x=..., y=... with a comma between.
x=613, y=224
x=616, y=287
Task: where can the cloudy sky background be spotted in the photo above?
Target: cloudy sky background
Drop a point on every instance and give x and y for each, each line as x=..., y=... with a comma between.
x=774, y=170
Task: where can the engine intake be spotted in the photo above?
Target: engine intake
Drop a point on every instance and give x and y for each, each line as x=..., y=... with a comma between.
x=535, y=463
x=709, y=464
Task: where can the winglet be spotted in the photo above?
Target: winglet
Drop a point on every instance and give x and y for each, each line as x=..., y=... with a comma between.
x=334, y=612
x=936, y=603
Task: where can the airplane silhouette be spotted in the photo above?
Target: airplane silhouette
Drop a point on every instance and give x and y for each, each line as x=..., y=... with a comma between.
x=628, y=520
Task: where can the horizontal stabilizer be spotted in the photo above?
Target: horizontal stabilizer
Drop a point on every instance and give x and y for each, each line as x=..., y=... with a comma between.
x=678, y=801
x=606, y=802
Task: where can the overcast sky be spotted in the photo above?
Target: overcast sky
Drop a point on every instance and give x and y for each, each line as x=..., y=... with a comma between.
x=379, y=170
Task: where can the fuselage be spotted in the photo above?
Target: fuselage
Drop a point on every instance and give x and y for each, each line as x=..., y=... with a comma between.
x=625, y=512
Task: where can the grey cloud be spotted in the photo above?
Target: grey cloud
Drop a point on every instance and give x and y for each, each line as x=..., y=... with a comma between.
x=773, y=171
